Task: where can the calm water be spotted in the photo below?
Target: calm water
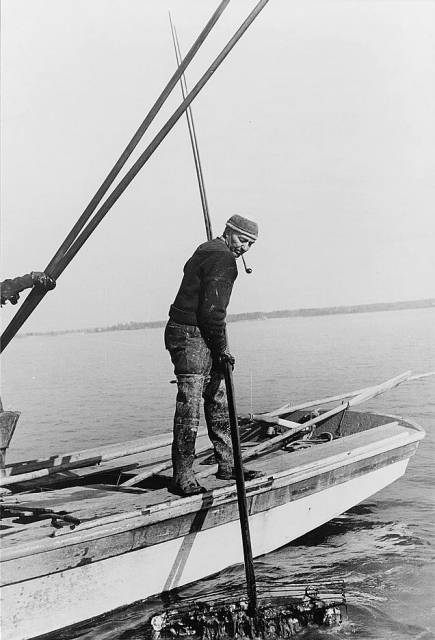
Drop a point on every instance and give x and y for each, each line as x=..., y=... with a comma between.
x=80, y=390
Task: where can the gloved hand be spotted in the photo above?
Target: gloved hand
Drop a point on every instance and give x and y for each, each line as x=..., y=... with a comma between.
x=39, y=277
x=225, y=356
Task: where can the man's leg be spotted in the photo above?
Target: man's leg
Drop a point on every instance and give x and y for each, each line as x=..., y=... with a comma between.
x=186, y=422
x=218, y=425
x=190, y=358
x=216, y=417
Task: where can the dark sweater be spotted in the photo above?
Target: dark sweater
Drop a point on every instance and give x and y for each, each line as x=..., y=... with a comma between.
x=205, y=291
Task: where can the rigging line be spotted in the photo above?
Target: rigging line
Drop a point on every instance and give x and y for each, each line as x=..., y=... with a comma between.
x=38, y=293
x=193, y=138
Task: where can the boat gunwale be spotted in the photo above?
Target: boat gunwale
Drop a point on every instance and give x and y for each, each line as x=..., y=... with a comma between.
x=127, y=541
x=118, y=523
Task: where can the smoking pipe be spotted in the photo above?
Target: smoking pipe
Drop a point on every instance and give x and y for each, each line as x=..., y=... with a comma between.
x=247, y=269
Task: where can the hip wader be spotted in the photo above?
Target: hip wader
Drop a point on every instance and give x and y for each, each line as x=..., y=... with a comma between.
x=196, y=378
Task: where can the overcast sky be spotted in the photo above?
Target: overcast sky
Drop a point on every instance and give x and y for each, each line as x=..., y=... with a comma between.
x=319, y=125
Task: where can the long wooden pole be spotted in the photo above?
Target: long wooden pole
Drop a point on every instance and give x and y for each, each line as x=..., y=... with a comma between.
x=38, y=293
x=193, y=138
x=162, y=466
x=228, y=374
x=241, y=491
x=93, y=457
x=289, y=408
x=131, y=174
x=138, y=135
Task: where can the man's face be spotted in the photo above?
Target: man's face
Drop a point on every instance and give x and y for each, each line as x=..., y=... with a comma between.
x=237, y=243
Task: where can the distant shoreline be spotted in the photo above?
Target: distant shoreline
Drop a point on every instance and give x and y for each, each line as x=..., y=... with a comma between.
x=258, y=315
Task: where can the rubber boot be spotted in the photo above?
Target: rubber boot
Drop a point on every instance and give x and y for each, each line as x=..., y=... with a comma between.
x=186, y=422
x=217, y=420
x=219, y=431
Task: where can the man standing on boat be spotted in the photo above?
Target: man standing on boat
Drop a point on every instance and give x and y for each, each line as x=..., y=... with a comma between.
x=195, y=337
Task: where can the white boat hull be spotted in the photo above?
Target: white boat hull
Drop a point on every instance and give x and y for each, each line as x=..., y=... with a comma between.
x=50, y=602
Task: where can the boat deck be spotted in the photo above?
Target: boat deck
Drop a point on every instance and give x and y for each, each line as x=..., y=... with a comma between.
x=89, y=503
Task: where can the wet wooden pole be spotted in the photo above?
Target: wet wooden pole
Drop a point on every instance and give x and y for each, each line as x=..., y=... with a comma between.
x=228, y=372
x=241, y=492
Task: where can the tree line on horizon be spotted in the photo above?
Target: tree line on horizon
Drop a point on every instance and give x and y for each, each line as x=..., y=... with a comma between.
x=258, y=315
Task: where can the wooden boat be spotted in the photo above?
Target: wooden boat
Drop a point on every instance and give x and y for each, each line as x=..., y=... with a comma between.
x=88, y=532
x=78, y=541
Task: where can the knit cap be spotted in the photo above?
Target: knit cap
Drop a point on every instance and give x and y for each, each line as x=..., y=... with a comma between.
x=248, y=227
